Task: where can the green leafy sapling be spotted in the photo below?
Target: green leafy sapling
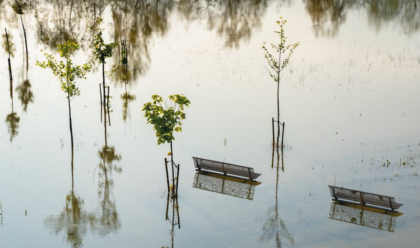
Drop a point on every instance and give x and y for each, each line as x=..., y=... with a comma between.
x=101, y=51
x=66, y=72
x=166, y=117
x=277, y=65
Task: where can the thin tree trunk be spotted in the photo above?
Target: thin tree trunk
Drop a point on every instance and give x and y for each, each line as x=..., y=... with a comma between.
x=11, y=90
x=70, y=121
x=278, y=241
x=8, y=60
x=26, y=43
x=278, y=112
x=278, y=94
x=172, y=164
x=103, y=81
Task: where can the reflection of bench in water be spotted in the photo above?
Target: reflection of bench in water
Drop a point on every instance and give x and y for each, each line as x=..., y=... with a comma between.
x=362, y=217
x=363, y=198
x=225, y=168
x=224, y=185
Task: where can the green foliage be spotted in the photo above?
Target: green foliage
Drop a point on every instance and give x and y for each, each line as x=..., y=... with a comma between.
x=65, y=70
x=166, y=117
x=19, y=7
x=275, y=63
x=9, y=48
x=101, y=50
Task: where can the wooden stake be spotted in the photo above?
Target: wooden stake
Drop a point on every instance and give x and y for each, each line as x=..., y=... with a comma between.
x=272, y=123
x=107, y=108
x=167, y=175
x=282, y=137
x=177, y=180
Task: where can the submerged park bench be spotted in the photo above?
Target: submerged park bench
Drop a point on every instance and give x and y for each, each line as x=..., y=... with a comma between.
x=363, y=198
x=225, y=168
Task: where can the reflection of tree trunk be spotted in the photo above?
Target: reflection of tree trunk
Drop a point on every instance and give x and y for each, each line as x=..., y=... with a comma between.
x=26, y=43
x=272, y=157
x=71, y=10
x=175, y=208
x=72, y=170
x=173, y=223
x=282, y=162
x=9, y=63
x=11, y=88
x=177, y=213
x=70, y=121
x=278, y=241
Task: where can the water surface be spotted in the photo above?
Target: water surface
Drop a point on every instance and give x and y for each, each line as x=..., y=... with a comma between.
x=350, y=98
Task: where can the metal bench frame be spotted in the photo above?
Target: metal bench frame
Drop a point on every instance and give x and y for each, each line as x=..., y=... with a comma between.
x=364, y=198
x=202, y=164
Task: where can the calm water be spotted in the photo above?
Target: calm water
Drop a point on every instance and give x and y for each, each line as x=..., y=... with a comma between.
x=350, y=99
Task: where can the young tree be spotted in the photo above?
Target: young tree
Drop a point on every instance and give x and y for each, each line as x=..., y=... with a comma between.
x=166, y=116
x=277, y=65
x=101, y=52
x=67, y=73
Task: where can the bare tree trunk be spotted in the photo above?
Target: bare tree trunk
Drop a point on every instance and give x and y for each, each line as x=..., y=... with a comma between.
x=70, y=121
x=172, y=164
x=278, y=112
x=278, y=95
x=8, y=60
x=26, y=43
x=103, y=81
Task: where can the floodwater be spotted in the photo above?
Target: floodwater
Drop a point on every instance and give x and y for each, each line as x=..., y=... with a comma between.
x=350, y=98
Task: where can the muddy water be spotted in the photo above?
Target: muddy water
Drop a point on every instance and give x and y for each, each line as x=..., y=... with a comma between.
x=349, y=98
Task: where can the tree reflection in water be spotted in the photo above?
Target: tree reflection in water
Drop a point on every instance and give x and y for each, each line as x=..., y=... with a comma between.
x=12, y=119
x=274, y=226
x=108, y=218
x=25, y=94
x=328, y=16
x=233, y=20
x=73, y=219
x=174, y=217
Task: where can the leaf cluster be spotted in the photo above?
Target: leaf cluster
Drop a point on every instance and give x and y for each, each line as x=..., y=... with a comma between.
x=65, y=70
x=9, y=46
x=166, y=117
x=19, y=7
x=276, y=64
x=101, y=50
